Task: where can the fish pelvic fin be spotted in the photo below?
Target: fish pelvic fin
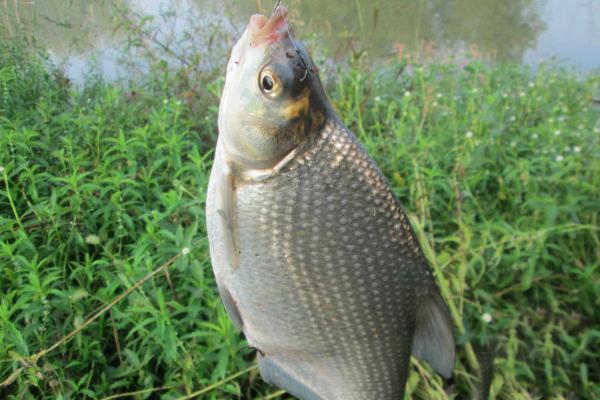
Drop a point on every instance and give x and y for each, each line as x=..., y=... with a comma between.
x=230, y=306
x=434, y=340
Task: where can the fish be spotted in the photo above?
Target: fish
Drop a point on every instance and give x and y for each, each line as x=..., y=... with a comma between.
x=314, y=257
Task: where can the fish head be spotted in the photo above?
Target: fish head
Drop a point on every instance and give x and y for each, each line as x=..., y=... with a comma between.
x=273, y=100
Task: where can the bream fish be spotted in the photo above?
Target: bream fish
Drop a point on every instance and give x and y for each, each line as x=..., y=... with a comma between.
x=314, y=258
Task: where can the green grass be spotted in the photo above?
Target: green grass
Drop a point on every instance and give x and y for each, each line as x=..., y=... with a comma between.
x=498, y=167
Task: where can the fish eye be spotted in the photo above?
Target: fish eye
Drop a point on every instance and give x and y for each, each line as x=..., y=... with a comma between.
x=269, y=83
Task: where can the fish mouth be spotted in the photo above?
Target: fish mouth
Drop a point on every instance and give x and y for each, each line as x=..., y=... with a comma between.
x=268, y=30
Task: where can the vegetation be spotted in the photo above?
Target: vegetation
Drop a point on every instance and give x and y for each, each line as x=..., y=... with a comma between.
x=100, y=186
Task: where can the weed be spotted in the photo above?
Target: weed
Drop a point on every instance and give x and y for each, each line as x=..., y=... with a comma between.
x=498, y=167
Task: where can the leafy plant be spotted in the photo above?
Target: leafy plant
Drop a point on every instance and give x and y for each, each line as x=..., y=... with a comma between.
x=498, y=167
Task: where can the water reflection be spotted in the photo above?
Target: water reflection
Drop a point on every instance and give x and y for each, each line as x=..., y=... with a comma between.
x=511, y=30
x=67, y=27
x=505, y=30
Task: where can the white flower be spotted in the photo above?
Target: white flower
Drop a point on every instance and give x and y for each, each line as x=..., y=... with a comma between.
x=92, y=239
x=1, y=169
x=377, y=98
x=559, y=158
x=439, y=95
x=522, y=94
x=597, y=130
x=535, y=136
x=407, y=94
x=577, y=149
x=178, y=102
x=504, y=95
x=469, y=134
x=561, y=118
x=435, y=104
x=557, y=132
x=185, y=251
x=165, y=101
x=531, y=84
x=513, y=118
x=486, y=317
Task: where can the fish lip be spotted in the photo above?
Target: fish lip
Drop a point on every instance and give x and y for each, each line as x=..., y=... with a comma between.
x=262, y=30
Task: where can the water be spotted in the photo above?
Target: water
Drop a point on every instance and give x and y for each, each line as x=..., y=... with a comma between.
x=525, y=31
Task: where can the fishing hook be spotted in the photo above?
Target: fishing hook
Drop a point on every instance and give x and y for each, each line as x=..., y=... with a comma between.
x=287, y=28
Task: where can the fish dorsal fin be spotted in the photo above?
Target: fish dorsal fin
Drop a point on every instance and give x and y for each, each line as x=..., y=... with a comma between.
x=434, y=341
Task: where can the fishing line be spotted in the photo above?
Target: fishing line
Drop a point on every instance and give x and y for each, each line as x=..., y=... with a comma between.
x=277, y=4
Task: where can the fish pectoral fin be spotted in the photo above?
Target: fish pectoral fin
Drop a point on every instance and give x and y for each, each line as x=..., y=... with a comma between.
x=220, y=224
x=434, y=340
x=224, y=200
x=293, y=381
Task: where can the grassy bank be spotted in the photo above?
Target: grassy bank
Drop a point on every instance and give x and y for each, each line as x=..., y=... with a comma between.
x=499, y=168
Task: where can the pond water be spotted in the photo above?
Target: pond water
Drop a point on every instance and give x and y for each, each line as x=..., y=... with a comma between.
x=524, y=31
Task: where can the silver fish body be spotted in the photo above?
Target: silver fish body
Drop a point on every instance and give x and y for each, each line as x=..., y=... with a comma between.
x=317, y=263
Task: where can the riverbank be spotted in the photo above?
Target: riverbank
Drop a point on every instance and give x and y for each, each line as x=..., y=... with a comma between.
x=498, y=167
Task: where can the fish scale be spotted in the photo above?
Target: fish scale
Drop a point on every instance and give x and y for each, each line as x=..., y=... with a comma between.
x=313, y=256
x=325, y=263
